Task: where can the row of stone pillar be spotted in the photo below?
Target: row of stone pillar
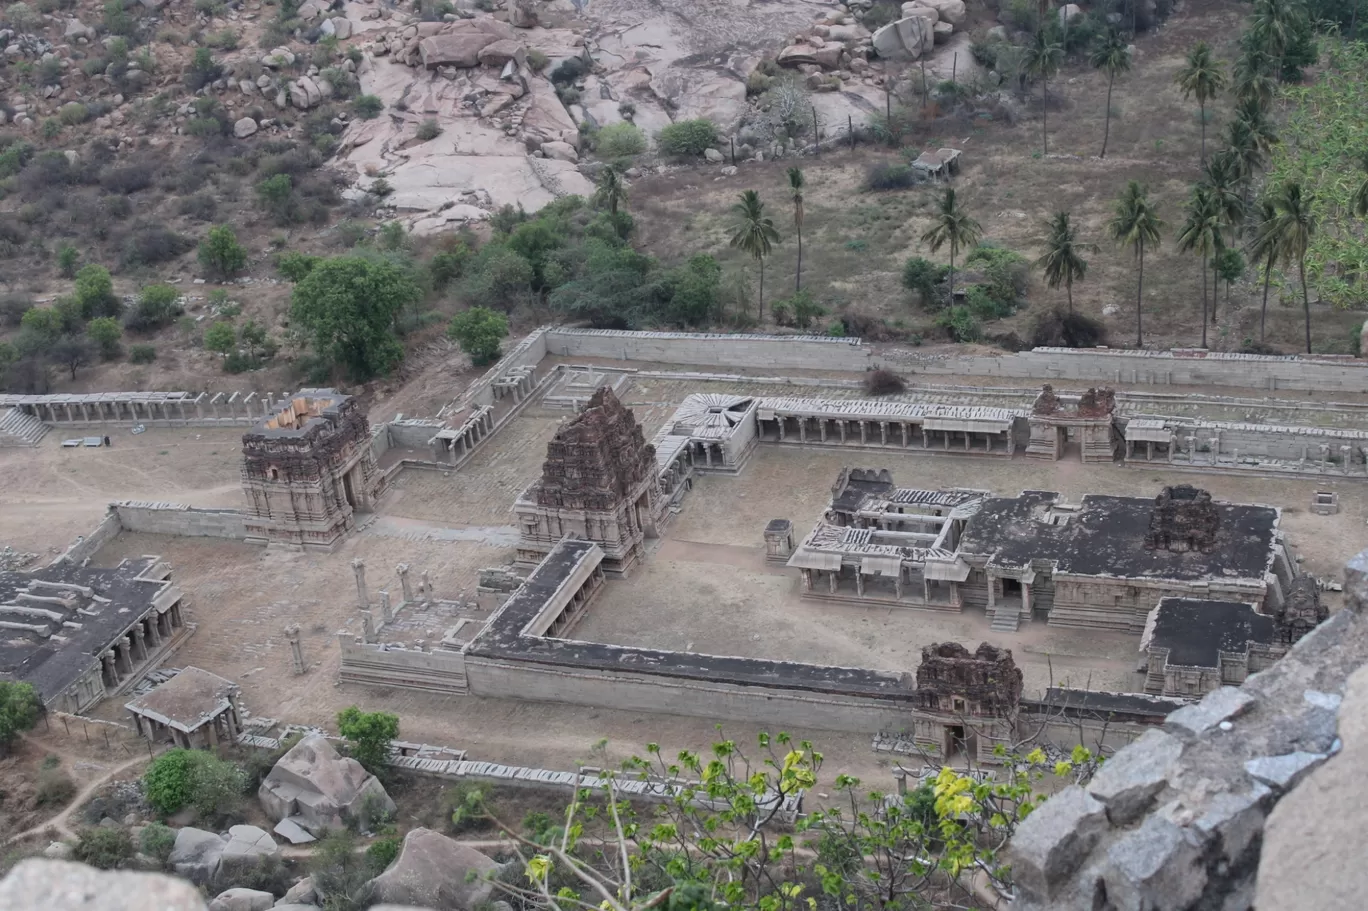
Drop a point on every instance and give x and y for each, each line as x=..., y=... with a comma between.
x=453, y=449
x=865, y=429
x=386, y=611
x=100, y=410
x=132, y=649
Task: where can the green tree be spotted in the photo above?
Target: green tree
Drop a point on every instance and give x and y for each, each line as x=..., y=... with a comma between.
x=1258, y=124
x=1229, y=268
x=157, y=307
x=220, y=253
x=1063, y=262
x=180, y=778
x=1201, y=234
x=754, y=234
x=923, y=276
x=105, y=332
x=1255, y=77
x=369, y=734
x=1111, y=56
x=497, y=277
x=1136, y=223
x=67, y=258
x=611, y=191
x=20, y=709
x=953, y=228
x=71, y=352
x=341, y=872
x=95, y=292
x=479, y=331
x=1043, y=58
x=220, y=338
x=157, y=840
x=796, y=183
x=1204, y=76
x=1244, y=154
x=1275, y=27
x=1264, y=247
x=448, y=265
x=276, y=196
x=694, y=290
x=294, y=266
x=104, y=848
x=167, y=781
x=41, y=325
x=1293, y=226
x=348, y=305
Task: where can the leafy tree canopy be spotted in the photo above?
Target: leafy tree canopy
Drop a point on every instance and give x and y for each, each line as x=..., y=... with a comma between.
x=348, y=305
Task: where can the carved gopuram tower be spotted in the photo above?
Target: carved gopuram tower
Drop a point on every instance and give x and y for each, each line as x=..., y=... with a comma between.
x=307, y=470
x=599, y=482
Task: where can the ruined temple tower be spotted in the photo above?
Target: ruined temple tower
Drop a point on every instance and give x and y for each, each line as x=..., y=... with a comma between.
x=307, y=470
x=599, y=482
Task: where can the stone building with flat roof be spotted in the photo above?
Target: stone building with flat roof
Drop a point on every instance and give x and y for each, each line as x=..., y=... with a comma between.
x=307, y=470
x=79, y=634
x=194, y=709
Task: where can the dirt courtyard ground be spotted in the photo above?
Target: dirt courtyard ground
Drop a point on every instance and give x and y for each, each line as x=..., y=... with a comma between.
x=704, y=585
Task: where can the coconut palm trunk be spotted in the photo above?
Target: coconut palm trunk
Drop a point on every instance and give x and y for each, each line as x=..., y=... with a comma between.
x=761, y=317
x=1204, y=301
x=1106, y=130
x=1202, y=106
x=1139, y=298
x=1045, y=116
x=798, y=275
x=1306, y=301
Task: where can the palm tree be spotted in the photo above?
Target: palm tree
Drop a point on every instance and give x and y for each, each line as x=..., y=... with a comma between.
x=1245, y=156
x=1136, y=223
x=952, y=227
x=1254, y=77
x=795, y=176
x=1264, y=247
x=754, y=233
x=1221, y=176
x=612, y=190
x=1255, y=118
x=1201, y=233
x=1063, y=262
x=1274, y=27
x=1043, y=59
x=1111, y=56
x=1294, y=224
x=1203, y=76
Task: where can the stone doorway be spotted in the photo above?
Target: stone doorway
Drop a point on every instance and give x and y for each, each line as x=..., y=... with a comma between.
x=958, y=743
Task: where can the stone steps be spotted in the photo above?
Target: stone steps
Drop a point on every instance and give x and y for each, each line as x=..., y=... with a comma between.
x=1005, y=621
x=18, y=428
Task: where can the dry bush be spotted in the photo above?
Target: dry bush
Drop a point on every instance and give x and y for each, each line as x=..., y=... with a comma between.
x=882, y=381
x=1060, y=329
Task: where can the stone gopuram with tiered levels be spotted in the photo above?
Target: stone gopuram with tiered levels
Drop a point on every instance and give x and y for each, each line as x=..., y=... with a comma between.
x=307, y=470
x=599, y=482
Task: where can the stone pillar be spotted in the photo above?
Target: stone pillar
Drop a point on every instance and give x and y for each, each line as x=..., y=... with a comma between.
x=296, y=650
x=110, y=670
x=139, y=647
x=834, y=574
x=426, y=587
x=403, y=570
x=367, y=627
x=386, y=613
x=802, y=429
x=779, y=419
x=362, y=599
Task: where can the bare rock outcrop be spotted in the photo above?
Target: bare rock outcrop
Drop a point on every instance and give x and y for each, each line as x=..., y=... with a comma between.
x=37, y=884
x=905, y=39
x=433, y=871
x=242, y=900
x=318, y=788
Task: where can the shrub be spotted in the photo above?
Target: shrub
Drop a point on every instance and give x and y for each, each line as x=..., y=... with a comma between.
x=537, y=61
x=799, y=309
x=105, y=333
x=13, y=307
x=104, y=848
x=220, y=338
x=1058, y=328
x=889, y=175
x=95, y=293
x=220, y=253
x=200, y=207
x=157, y=307
x=465, y=802
x=167, y=781
x=276, y=195
x=368, y=107
x=67, y=258
x=152, y=244
x=479, y=331
x=960, y=324
x=202, y=70
x=180, y=778
x=157, y=840
x=55, y=788
x=429, y=129
x=568, y=95
x=924, y=278
x=569, y=71
x=688, y=137
x=294, y=266
x=73, y=114
x=620, y=140
x=448, y=265
x=382, y=853
x=882, y=381
x=142, y=354
x=130, y=179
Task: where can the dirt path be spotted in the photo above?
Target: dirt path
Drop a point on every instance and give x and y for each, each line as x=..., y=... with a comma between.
x=59, y=822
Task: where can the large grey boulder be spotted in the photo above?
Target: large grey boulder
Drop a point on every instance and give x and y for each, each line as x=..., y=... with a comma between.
x=905, y=39
x=246, y=848
x=305, y=93
x=242, y=900
x=37, y=884
x=321, y=789
x=461, y=49
x=301, y=893
x=433, y=871
x=196, y=855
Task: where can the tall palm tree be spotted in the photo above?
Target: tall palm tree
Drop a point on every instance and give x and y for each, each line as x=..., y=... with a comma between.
x=611, y=191
x=1264, y=246
x=1252, y=115
x=1221, y=177
x=1254, y=76
x=1245, y=156
x=1063, y=262
x=1043, y=58
x=1111, y=56
x=952, y=226
x=1294, y=224
x=1136, y=223
x=754, y=233
x=1201, y=233
x=1274, y=26
x=796, y=182
x=1203, y=76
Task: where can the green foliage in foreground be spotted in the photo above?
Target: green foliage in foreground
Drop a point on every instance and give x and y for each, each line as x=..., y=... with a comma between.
x=1324, y=138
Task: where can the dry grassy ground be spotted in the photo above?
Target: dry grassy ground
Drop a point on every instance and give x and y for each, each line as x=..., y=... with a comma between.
x=855, y=241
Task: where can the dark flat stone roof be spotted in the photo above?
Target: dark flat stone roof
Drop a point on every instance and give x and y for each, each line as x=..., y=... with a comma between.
x=1196, y=631
x=1107, y=538
x=53, y=664
x=502, y=638
x=855, y=491
x=1137, y=707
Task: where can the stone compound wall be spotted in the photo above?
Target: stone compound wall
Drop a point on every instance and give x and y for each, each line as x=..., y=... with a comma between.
x=176, y=519
x=797, y=352
x=1176, y=821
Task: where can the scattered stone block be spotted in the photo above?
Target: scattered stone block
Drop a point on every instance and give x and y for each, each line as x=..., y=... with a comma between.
x=1053, y=842
x=433, y=871
x=1128, y=783
x=242, y=900
x=1283, y=772
x=1219, y=705
x=1156, y=866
